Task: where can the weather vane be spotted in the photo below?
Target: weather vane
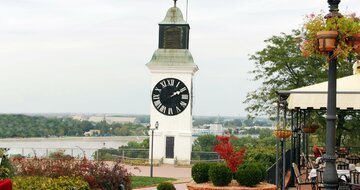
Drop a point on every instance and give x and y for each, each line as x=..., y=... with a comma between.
x=175, y=3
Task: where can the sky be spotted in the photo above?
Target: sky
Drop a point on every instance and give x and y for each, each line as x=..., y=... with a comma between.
x=89, y=56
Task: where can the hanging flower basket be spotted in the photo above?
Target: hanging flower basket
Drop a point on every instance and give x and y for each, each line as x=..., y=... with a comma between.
x=338, y=30
x=354, y=42
x=327, y=40
x=282, y=133
x=309, y=130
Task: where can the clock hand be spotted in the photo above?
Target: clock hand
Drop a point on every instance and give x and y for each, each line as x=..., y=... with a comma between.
x=175, y=93
x=169, y=97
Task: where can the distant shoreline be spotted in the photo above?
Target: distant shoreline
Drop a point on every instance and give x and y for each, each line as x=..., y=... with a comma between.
x=100, y=138
x=74, y=146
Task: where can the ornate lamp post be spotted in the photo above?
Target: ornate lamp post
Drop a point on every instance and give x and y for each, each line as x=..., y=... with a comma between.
x=152, y=146
x=330, y=174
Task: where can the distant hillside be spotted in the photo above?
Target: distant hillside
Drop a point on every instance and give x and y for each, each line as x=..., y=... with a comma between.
x=17, y=125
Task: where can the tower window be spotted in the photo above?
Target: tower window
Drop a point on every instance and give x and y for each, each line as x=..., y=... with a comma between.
x=172, y=38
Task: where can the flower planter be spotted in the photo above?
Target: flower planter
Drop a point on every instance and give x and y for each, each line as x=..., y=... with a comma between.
x=282, y=133
x=309, y=130
x=354, y=42
x=232, y=186
x=314, y=125
x=327, y=40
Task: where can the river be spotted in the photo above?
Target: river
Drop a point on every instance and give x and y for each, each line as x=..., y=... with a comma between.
x=75, y=146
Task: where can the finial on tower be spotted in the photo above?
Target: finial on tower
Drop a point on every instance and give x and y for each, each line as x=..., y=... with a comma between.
x=175, y=3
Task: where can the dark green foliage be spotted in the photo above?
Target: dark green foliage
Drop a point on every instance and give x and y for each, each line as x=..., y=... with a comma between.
x=220, y=175
x=262, y=168
x=281, y=60
x=260, y=149
x=165, y=186
x=6, y=169
x=12, y=125
x=249, y=174
x=132, y=150
x=205, y=143
x=262, y=154
x=200, y=172
x=233, y=123
x=59, y=155
x=145, y=181
x=47, y=183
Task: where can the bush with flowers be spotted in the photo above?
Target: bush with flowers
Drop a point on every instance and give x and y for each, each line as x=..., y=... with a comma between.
x=226, y=150
x=347, y=27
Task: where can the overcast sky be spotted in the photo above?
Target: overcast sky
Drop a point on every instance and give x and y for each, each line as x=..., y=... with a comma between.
x=89, y=56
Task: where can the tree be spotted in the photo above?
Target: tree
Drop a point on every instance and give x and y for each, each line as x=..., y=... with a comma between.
x=281, y=66
x=249, y=122
x=205, y=143
x=226, y=150
x=233, y=123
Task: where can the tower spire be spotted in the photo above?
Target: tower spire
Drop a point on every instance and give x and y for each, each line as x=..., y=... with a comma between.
x=175, y=3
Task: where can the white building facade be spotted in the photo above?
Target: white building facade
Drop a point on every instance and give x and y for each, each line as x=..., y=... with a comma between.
x=172, y=69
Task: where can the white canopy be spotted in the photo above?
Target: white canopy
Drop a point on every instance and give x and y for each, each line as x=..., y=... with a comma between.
x=315, y=96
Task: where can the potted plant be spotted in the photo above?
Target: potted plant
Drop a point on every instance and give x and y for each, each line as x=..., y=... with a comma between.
x=311, y=128
x=338, y=34
x=281, y=132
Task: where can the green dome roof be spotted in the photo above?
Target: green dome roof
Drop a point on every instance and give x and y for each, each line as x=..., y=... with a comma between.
x=174, y=16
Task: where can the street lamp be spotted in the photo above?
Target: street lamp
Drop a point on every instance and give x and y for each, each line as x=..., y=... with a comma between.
x=330, y=174
x=152, y=145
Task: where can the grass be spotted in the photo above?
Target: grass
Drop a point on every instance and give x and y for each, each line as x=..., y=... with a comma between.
x=142, y=181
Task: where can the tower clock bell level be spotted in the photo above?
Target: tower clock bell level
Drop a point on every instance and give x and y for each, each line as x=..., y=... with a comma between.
x=172, y=69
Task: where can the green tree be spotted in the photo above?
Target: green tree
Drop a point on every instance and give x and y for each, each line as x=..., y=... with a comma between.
x=281, y=66
x=233, y=123
x=249, y=122
x=123, y=131
x=205, y=143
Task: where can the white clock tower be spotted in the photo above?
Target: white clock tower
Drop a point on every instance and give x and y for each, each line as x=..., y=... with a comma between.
x=172, y=69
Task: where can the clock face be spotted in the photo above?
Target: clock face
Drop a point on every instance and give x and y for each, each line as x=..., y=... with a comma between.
x=170, y=96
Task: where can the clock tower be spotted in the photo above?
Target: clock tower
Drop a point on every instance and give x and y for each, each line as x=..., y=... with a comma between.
x=172, y=69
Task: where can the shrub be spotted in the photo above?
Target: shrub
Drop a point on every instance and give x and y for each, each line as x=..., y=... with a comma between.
x=263, y=154
x=220, y=175
x=6, y=169
x=249, y=174
x=46, y=183
x=59, y=155
x=97, y=174
x=200, y=172
x=262, y=170
x=226, y=150
x=165, y=186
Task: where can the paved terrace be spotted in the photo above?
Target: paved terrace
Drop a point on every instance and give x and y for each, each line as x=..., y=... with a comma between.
x=182, y=174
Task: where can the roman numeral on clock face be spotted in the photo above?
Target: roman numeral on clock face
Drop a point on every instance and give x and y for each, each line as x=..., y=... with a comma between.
x=157, y=104
x=171, y=82
x=156, y=96
x=182, y=89
x=183, y=104
x=157, y=89
x=162, y=109
x=163, y=83
x=170, y=111
x=184, y=96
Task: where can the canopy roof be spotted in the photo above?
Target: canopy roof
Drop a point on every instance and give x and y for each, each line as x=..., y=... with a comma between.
x=315, y=96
